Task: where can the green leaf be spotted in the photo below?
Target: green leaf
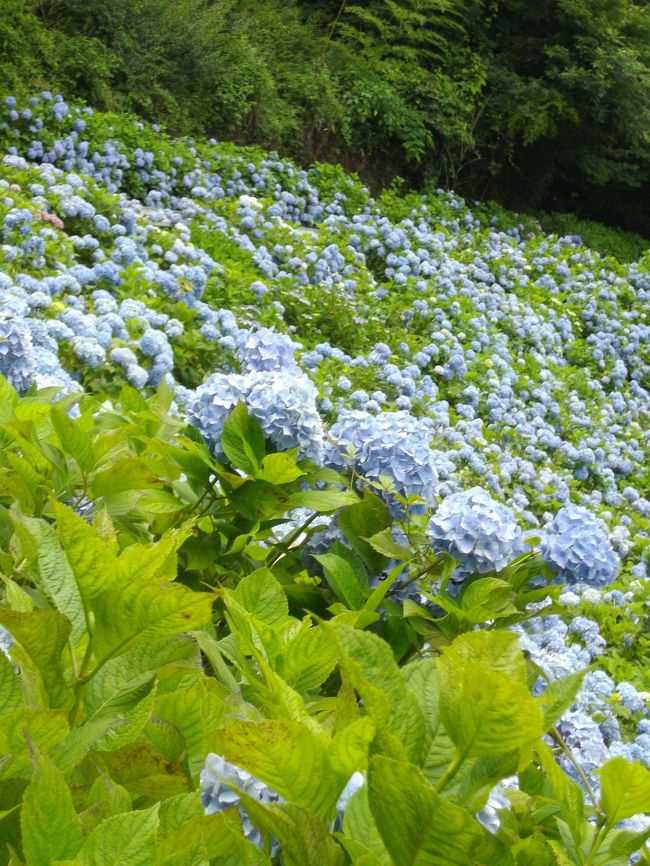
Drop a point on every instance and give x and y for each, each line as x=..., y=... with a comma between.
x=558, y=696
x=369, y=664
x=146, y=609
x=125, y=680
x=144, y=770
x=360, y=835
x=89, y=557
x=289, y=757
x=568, y=794
x=279, y=469
x=51, y=570
x=263, y=597
x=71, y=751
x=308, y=659
x=486, y=599
x=499, y=651
x=10, y=694
x=385, y=544
x=41, y=637
x=488, y=714
x=302, y=836
x=360, y=521
x=242, y=440
x=42, y=728
x=196, y=712
x=51, y=829
x=74, y=440
x=425, y=830
x=346, y=584
x=625, y=790
x=128, y=839
x=322, y=501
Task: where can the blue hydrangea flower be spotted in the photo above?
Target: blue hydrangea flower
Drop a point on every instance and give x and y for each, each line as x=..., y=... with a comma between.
x=265, y=349
x=283, y=403
x=6, y=641
x=221, y=784
x=17, y=359
x=576, y=546
x=395, y=445
x=481, y=534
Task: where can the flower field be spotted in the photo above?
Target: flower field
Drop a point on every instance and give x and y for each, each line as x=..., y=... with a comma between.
x=324, y=519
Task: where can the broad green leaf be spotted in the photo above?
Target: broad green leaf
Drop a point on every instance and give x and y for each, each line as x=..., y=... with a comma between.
x=499, y=651
x=623, y=843
x=486, y=713
x=10, y=694
x=263, y=597
x=322, y=501
x=359, y=522
x=196, y=712
x=42, y=728
x=160, y=502
x=152, y=561
x=128, y=839
x=568, y=794
x=289, y=757
x=625, y=790
x=384, y=543
x=133, y=722
x=105, y=798
x=558, y=696
x=144, y=770
x=186, y=830
x=425, y=830
x=74, y=440
x=279, y=469
x=242, y=440
x=125, y=680
x=369, y=664
x=343, y=579
x=360, y=835
x=308, y=659
x=145, y=609
x=349, y=747
x=485, y=705
x=51, y=829
x=51, y=570
x=42, y=636
x=303, y=838
x=89, y=558
x=487, y=599
x=71, y=751
x=422, y=679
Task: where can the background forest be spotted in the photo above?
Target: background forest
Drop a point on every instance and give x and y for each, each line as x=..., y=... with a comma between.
x=541, y=106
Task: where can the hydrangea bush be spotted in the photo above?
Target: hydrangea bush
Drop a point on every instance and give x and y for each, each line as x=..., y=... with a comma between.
x=323, y=523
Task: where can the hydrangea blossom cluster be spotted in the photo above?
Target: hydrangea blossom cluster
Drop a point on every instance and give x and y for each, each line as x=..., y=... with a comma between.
x=525, y=355
x=576, y=546
x=481, y=534
x=590, y=727
x=17, y=360
x=283, y=403
x=394, y=445
x=221, y=783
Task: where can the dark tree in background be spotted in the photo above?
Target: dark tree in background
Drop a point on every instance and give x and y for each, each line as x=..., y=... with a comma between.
x=539, y=105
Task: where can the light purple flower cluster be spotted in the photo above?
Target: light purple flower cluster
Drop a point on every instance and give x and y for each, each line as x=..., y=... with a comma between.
x=576, y=546
x=481, y=534
x=392, y=445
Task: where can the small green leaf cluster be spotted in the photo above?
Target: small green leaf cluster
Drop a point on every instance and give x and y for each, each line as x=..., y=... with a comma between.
x=155, y=618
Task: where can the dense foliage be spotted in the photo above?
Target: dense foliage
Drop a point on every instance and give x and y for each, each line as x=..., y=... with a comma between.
x=539, y=105
x=324, y=521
